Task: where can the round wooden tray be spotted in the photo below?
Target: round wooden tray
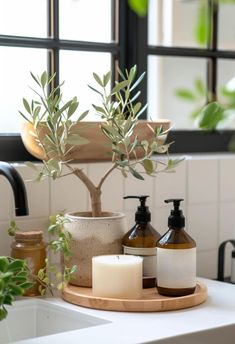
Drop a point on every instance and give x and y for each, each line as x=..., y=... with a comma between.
x=151, y=301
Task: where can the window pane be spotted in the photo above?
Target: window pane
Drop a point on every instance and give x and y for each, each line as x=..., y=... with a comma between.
x=15, y=67
x=23, y=18
x=174, y=23
x=86, y=20
x=77, y=68
x=226, y=90
x=226, y=32
x=170, y=77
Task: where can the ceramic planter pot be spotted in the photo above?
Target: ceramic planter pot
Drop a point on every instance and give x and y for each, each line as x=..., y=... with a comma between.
x=93, y=236
x=98, y=146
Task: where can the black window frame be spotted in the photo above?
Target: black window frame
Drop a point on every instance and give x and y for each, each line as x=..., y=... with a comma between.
x=130, y=48
x=138, y=50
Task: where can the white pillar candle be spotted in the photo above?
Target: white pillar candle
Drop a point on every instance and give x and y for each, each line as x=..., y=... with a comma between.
x=117, y=276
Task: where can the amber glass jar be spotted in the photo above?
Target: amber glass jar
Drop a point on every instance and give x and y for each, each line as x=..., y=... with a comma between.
x=30, y=246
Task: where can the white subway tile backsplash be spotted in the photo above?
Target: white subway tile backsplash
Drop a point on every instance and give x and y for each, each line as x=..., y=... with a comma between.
x=226, y=222
x=227, y=179
x=202, y=225
x=160, y=219
x=27, y=224
x=202, y=181
x=130, y=218
x=37, y=192
x=207, y=264
x=5, y=242
x=170, y=185
x=6, y=199
x=112, y=189
x=68, y=193
x=136, y=187
x=205, y=182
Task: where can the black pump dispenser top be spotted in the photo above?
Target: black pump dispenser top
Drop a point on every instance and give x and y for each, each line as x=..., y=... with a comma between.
x=176, y=219
x=142, y=214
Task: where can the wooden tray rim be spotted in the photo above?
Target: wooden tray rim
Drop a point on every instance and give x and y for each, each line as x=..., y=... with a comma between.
x=83, y=297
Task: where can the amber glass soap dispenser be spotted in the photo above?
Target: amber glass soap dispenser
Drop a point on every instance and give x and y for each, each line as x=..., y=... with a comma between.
x=141, y=241
x=176, y=257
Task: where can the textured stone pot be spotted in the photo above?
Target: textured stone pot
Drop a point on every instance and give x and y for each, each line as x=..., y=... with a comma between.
x=93, y=236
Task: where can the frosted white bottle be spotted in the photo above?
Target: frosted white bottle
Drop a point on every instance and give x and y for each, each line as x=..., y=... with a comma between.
x=176, y=257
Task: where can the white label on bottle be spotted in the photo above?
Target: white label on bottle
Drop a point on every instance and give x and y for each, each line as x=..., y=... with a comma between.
x=149, y=258
x=176, y=268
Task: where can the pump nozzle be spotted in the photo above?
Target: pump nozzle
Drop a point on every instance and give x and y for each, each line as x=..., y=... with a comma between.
x=175, y=201
x=176, y=219
x=142, y=215
x=142, y=199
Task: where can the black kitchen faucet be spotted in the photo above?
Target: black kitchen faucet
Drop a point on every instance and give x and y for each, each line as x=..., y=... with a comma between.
x=18, y=188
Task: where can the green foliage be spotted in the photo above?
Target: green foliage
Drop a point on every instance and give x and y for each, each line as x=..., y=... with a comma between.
x=51, y=278
x=196, y=95
x=57, y=118
x=14, y=280
x=203, y=25
x=61, y=243
x=13, y=228
x=211, y=115
x=229, y=97
x=120, y=111
x=139, y=6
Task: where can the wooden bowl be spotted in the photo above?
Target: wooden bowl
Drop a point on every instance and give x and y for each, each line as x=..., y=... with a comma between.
x=98, y=147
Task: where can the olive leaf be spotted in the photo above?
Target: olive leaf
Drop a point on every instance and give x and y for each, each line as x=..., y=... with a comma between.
x=76, y=140
x=135, y=173
x=148, y=166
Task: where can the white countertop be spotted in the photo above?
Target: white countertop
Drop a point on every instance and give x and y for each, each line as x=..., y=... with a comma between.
x=134, y=328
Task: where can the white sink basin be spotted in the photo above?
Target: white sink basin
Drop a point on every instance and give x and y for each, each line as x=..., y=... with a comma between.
x=36, y=318
x=224, y=334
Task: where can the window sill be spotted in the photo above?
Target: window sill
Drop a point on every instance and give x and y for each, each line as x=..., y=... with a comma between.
x=200, y=141
x=185, y=141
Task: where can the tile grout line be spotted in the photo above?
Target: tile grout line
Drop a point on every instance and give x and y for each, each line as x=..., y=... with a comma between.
x=187, y=190
x=218, y=201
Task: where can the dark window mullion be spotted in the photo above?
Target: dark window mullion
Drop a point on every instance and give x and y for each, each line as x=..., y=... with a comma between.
x=212, y=45
x=53, y=32
x=189, y=52
x=133, y=45
x=114, y=35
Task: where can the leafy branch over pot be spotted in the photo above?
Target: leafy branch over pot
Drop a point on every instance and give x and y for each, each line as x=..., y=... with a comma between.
x=119, y=111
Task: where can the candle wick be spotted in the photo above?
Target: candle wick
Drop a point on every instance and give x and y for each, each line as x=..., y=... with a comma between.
x=118, y=257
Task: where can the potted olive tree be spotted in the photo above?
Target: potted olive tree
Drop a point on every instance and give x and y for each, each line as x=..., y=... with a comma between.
x=56, y=135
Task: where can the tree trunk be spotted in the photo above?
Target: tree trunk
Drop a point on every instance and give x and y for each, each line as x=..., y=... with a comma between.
x=95, y=196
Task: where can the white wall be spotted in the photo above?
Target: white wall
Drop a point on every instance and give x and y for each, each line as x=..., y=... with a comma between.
x=206, y=183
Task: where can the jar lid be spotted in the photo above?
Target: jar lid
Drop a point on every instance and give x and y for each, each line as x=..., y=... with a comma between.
x=29, y=235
